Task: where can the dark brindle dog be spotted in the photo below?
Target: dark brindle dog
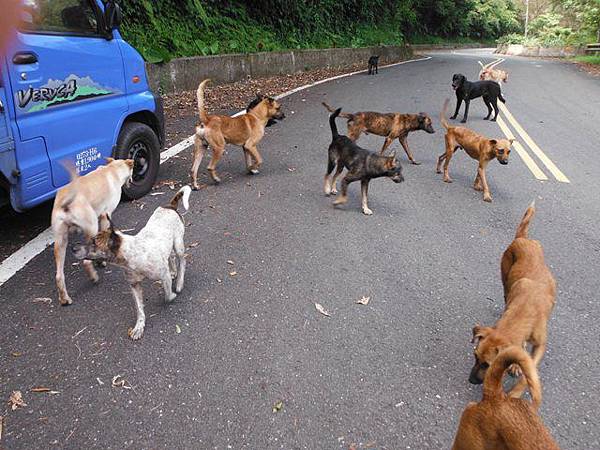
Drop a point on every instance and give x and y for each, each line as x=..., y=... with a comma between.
x=391, y=125
x=373, y=65
x=362, y=165
x=468, y=90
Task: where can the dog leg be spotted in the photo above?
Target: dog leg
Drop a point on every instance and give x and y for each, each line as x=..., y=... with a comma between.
x=343, y=198
x=467, y=103
x=404, y=142
x=61, y=240
x=179, y=248
x=487, y=197
x=489, y=107
x=438, y=168
x=253, y=169
x=386, y=144
x=495, y=105
x=136, y=332
x=520, y=387
x=199, y=149
x=330, y=167
x=167, y=285
x=477, y=183
x=458, y=103
x=90, y=270
x=217, y=153
x=333, y=185
x=364, y=188
x=247, y=158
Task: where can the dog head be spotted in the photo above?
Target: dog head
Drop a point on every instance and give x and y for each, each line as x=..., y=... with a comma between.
x=458, y=80
x=501, y=149
x=505, y=76
x=123, y=168
x=425, y=123
x=393, y=169
x=374, y=59
x=104, y=246
x=487, y=346
x=269, y=106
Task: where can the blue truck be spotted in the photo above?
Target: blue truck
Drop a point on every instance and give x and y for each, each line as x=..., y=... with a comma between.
x=73, y=92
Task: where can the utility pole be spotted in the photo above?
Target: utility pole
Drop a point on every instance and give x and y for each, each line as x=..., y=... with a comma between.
x=526, y=16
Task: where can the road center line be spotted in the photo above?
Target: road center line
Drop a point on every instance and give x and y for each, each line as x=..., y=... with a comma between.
x=528, y=160
x=533, y=146
x=37, y=245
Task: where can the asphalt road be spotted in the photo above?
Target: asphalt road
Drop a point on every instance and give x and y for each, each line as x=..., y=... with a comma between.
x=389, y=375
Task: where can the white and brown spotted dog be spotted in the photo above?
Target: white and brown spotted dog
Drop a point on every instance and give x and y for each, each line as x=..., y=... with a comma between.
x=147, y=254
x=78, y=205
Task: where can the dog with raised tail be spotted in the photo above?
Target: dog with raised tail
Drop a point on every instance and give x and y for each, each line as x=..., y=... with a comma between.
x=147, y=254
x=500, y=422
x=492, y=74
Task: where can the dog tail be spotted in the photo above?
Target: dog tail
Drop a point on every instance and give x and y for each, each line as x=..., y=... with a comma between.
x=341, y=114
x=184, y=195
x=492, y=384
x=502, y=99
x=523, y=228
x=200, y=98
x=334, y=130
x=445, y=123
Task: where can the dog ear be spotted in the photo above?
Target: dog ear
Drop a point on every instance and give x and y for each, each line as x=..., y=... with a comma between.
x=130, y=163
x=109, y=159
x=479, y=333
x=493, y=142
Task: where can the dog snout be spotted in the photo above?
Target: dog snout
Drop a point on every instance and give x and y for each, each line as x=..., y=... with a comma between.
x=474, y=377
x=398, y=178
x=430, y=130
x=279, y=116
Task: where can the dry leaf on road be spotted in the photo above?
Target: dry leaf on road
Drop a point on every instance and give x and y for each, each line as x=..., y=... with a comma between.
x=364, y=300
x=230, y=262
x=277, y=406
x=177, y=329
x=42, y=300
x=16, y=400
x=119, y=381
x=44, y=389
x=321, y=309
x=194, y=244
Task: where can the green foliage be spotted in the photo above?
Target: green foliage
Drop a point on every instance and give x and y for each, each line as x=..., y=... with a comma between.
x=590, y=59
x=164, y=29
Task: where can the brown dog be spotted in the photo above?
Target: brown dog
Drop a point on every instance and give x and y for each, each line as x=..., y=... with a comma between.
x=529, y=295
x=245, y=130
x=391, y=125
x=477, y=147
x=492, y=74
x=78, y=205
x=502, y=423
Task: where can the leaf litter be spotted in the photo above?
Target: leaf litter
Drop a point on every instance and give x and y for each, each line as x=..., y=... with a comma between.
x=322, y=310
x=16, y=400
x=364, y=300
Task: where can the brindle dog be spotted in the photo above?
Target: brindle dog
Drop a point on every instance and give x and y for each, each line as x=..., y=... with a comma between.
x=391, y=125
x=362, y=165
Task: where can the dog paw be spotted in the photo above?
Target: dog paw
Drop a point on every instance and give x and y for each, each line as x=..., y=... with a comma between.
x=195, y=187
x=416, y=163
x=487, y=198
x=253, y=171
x=515, y=370
x=334, y=191
x=340, y=201
x=367, y=212
x=136, y=333
x=453, y=117
x=494, y=119
x=171, y=297
x=448, y=180
x=65, y=300
x=463, y=121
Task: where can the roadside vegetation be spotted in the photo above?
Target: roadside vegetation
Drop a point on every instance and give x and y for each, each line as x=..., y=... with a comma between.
x=592, y=59
x=557, y=23
x=165, y=29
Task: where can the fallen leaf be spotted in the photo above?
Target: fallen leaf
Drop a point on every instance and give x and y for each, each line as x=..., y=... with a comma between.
x=277, y=406
x=321, y=309
x=40, y=389
x=219, y=280
x=1, y=426
x=194, y=244
x=364, y=300
x=42, y=300
x=16, y=400
x=233, y=274
x=230, y=262
x=177, y=329
x=119, y=381
x=16, y=354
x=100, y=382
x=291, y=169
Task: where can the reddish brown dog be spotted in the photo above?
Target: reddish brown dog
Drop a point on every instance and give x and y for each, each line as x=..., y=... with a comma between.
x=391, y=125
x=529, y=294
x=477, y=147
x=499, y=422
x=245, y=130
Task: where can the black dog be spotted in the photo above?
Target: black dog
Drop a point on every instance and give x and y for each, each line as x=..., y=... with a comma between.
x=468, y=90
x=373, y=65
x=362, y=165
x=256, y=101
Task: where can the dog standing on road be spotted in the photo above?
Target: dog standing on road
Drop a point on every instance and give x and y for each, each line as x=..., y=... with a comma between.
x=468, y=90
x=147, y=254
x=492, y=74
x=78, y=205
x=374, y=65
x=217, y=130
x=477, y=147
x=391, y=125
x=362, y=165
x=502, y=423
x=529, y=295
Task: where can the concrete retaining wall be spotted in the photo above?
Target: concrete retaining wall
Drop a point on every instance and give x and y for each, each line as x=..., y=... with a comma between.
x=552, y=52
x=185, y=73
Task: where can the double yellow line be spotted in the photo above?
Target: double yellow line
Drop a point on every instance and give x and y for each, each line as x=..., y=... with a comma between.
x=520, y=149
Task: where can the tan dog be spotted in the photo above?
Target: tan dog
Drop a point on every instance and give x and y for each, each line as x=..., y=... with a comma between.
x=245, y=130
x=477, y=147
x=529, y=294
x=502, y=423
x=391, y=125
x=78, y=205
x=492, y=74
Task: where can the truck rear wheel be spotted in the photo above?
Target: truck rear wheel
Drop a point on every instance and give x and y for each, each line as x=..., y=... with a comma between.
x=138, y=141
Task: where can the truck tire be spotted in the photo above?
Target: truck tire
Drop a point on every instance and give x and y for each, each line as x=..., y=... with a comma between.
x=138, y=141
